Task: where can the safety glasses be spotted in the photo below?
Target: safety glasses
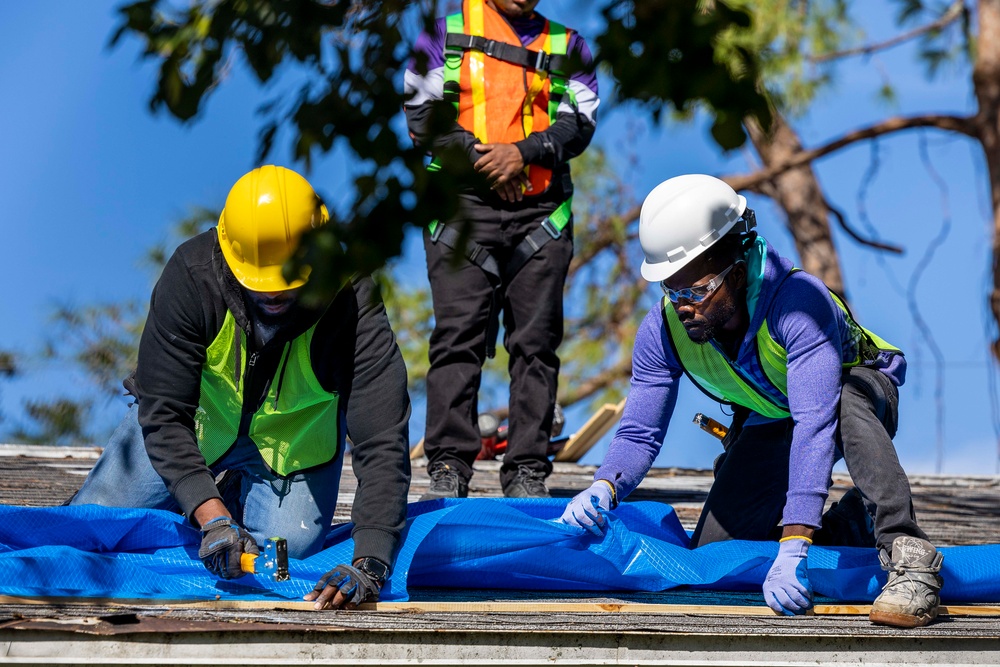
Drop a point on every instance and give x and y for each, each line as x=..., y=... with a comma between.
x=698, y=293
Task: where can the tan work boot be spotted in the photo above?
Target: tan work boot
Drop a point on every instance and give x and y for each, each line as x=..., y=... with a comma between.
x=910, y=598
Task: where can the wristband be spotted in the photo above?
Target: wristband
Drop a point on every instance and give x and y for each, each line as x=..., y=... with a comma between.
x=796, y=537
x=614, y=493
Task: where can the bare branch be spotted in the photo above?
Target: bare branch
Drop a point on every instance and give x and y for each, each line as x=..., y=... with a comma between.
x=953, y=13
x=961, y=124
x=600, y=241
x=842, y=221
x=594, y=384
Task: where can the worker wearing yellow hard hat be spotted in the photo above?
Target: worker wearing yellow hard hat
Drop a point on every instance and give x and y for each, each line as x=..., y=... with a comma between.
x=267, y=212
x=242, y=391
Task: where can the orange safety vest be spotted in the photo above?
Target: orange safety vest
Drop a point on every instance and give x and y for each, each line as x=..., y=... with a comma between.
x=500, y=101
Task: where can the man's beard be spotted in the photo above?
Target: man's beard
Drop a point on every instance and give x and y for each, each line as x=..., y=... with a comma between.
x=725, y=311
x=268, y=320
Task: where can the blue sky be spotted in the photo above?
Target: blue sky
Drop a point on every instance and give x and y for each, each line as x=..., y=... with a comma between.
x=90, y=180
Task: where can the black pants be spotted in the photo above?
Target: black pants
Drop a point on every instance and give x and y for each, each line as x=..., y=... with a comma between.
x=533, y=329
x=751, y=481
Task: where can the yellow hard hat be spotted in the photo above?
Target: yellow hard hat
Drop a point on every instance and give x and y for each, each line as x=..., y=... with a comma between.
x=266, y=214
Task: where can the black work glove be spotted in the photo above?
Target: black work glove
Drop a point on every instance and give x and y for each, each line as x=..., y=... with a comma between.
x=353, y=584
x=223, y=541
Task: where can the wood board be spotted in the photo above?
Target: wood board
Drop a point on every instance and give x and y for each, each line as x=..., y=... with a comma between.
x=492, y=607
x=599, y=423
x=417, y=450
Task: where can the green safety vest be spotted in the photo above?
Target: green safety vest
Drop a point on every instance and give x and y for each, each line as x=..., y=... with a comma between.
x=722, y=379
x=296, y=427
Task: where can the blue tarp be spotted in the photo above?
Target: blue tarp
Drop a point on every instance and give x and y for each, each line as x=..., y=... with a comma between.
x=91, y=551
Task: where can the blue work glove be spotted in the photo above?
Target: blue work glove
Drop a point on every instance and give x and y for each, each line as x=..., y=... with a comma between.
x=345, y=586
x=786, y=588
x=223, y=541
x=587, y=508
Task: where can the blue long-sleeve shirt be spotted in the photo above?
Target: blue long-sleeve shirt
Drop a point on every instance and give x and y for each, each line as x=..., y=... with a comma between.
x=804, y=320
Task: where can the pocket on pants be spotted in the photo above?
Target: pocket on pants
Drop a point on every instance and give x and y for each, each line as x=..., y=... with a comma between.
x=880, y=391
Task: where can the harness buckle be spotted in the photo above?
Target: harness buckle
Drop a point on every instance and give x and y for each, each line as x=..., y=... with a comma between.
x=542, y=61
x=436, y=234
x=550, y=228
x=489, y=46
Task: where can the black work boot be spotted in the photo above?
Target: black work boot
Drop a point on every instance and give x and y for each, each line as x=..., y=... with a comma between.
x=910, y=598
x=527, y=484
x=847, y=523
x=446, y=482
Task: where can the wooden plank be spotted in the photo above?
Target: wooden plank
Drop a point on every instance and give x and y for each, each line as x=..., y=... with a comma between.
x=418, y=450
x=580, y=442
x=599, y=423
x=48, y=452
x=526, y=606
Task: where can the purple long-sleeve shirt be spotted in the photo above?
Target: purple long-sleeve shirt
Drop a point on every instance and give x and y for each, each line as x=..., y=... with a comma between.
x=804, y=320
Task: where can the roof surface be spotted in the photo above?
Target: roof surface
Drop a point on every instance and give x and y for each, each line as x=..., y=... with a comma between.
x=684, y=626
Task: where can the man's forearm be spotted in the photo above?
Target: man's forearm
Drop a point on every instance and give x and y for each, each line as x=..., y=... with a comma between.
x=208, y=510
x=418, y=121
x=568, y=137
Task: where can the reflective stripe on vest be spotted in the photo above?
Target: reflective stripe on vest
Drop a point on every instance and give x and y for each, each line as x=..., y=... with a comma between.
x=721, y=379
x=491, y=97
x=296, y=427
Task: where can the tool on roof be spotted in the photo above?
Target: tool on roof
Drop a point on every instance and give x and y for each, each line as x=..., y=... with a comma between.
x=493, y=435
x=273, y=560
x=709, y=425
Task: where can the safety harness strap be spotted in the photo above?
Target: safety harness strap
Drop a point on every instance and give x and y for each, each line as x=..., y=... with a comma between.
x=455, y=24
x=475, y=253
x=509, y=53
x=551, y=228
x=557, y=76
x=480, y=256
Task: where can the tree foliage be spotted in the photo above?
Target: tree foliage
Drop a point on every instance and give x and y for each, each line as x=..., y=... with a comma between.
x=62, y=421
x=98, y=341
x=350, y=56
x=802, y=45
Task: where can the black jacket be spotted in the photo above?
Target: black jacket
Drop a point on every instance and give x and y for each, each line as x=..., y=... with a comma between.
x=353, y=352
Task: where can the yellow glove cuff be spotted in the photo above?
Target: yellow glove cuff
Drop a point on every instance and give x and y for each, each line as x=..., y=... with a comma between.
x=614, y=493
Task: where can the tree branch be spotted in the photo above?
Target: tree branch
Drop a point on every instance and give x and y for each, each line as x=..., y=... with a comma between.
x=600, y=241
x=951, y=15
x=961, y=124
x=842, y=221
x=594, y=384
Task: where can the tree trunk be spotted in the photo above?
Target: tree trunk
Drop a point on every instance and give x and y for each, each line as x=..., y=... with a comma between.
x=986, y=79
x=799, y=194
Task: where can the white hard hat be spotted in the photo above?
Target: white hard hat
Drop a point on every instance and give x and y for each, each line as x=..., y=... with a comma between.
x=681, y=218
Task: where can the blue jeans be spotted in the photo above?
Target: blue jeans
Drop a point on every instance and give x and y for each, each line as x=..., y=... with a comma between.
x=299, y=507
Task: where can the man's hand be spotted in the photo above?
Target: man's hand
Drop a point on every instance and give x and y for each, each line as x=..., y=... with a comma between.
x=345, y=586
x=587, y=508
x=787, y=589
x=503, y=167
x=223, y=541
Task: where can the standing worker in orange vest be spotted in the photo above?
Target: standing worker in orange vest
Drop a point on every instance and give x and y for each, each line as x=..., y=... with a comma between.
x=520, y=116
